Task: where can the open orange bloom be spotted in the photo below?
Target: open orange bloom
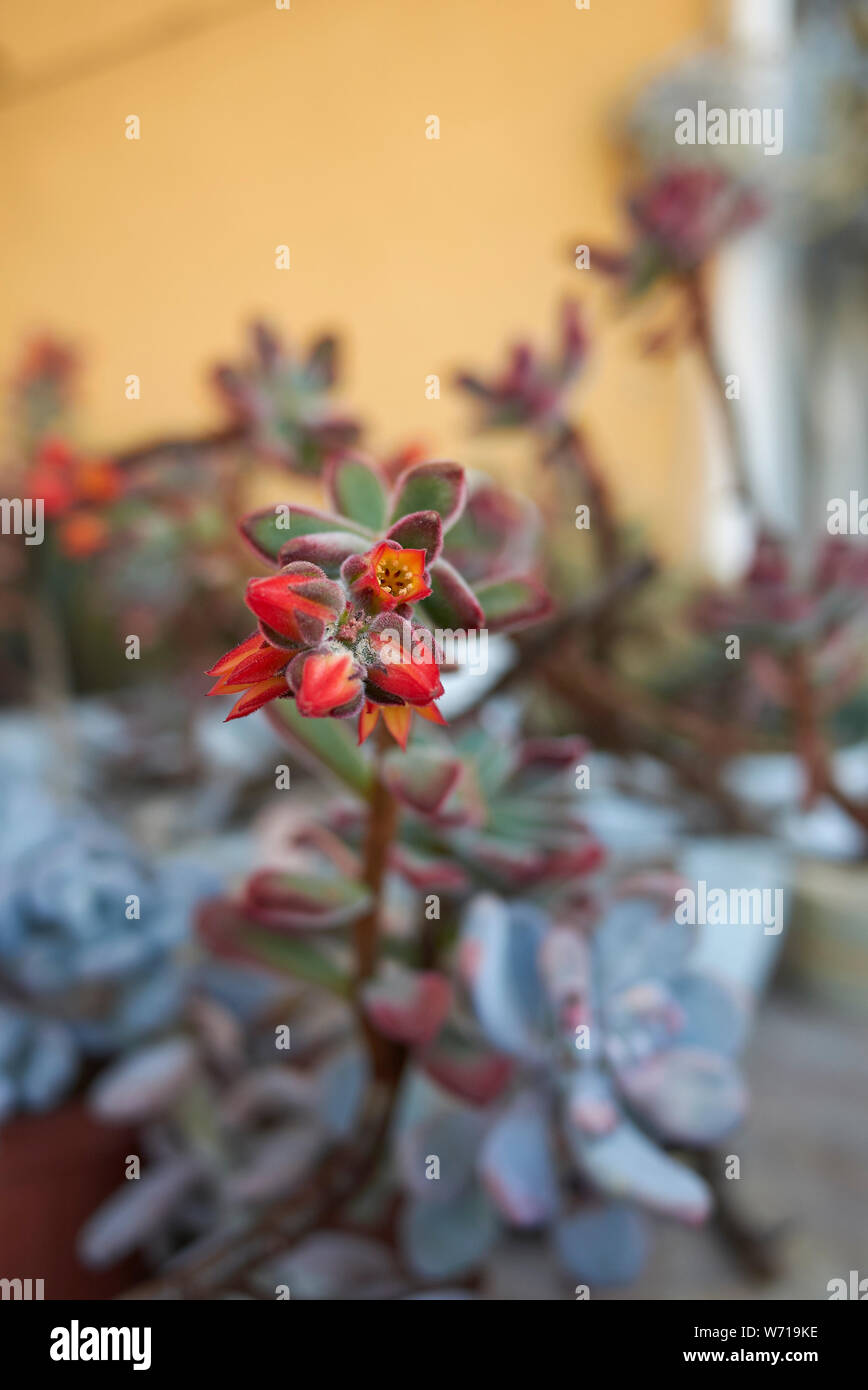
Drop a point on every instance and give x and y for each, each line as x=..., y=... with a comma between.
x=393, y=575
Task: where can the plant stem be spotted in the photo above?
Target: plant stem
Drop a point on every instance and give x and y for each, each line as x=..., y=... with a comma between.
x=703, y=337
x=382, y=823
x=811, y=744
x=387, y=1058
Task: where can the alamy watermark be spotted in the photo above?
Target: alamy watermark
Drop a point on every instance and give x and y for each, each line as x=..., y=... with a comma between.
x=77, y=1343
x=732, y=907
x=23, y=516
x=462, y=647
x=25, y=1290
x=740, y=125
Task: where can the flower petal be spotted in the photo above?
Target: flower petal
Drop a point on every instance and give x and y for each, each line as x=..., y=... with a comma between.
x=257, y=696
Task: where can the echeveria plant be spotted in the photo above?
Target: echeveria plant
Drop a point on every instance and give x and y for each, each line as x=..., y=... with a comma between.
x=90, y=936
x=281, y=401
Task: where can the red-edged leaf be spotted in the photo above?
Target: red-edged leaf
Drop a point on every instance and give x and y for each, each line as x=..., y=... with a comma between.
x=438, y=486
x=452, y=603
x=512, y=603
x=422, y=779
x=408, y=1006
x=419, y=530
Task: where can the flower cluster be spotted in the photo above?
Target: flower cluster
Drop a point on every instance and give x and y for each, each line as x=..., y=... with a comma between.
x=346, y=626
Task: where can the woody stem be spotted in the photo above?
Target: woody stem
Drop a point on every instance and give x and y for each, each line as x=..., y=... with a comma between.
x=382, y=823
x=704, y=338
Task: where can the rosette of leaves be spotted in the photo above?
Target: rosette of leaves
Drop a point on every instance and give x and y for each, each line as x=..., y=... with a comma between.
x=680, y=216
x=90, y=934
x=282, y=401
x=532, y=388
x=774, y=606
x=620, y=1050
x=486, y=810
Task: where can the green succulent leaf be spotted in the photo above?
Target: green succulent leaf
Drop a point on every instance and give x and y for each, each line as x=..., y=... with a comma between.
x=513, y=603
x=357, y=492
x=303, y=902
x=269, y=530
x=296, y=957
x=431, y=487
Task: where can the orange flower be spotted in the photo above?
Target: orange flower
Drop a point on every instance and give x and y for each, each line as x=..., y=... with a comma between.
x=82, y=534
x=97, y=480
x=393, y=575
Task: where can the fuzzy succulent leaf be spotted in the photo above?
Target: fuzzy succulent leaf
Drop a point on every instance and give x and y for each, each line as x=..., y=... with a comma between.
x=135, y=1211
x=356, y=491
x=689, y=1095
x=452, y=1135
x=516, y=1164
x=281, y=1160
x=408, y=1006
x=431, y=487
x=293, y=902
x=512, y=603
x=499, y=949
x=465, y=1068
x=452, y=603
x=269, y=530
x=419, y=531
x=144, y=1083
x=422, y=778
x=230, y=934
x=327, y=549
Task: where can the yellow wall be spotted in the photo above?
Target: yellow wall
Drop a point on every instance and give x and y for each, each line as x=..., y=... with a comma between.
x=262, y=126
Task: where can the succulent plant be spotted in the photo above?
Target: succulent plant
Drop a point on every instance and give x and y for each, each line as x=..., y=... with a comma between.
x=90, y=935
x=531, y=390
x=282, y=402
x=773, y=606
x=227, y=1125
x=621, y=1049
x=680, y=217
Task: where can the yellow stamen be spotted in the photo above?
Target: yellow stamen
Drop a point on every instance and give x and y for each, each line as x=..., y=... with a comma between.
x=395, y=578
